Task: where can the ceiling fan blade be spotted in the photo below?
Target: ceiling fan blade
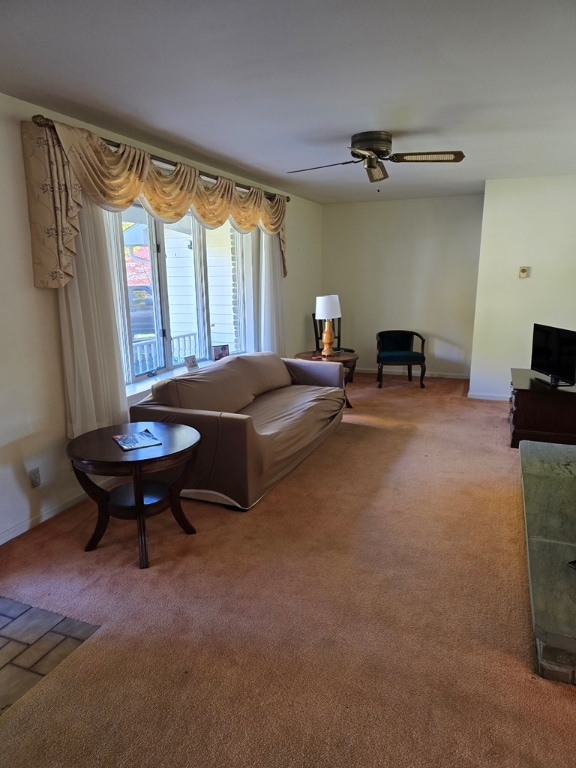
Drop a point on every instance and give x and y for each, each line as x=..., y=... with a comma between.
x=331, y=165
x=426, y=157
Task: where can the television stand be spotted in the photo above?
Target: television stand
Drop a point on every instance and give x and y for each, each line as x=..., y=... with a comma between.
x=539, y=411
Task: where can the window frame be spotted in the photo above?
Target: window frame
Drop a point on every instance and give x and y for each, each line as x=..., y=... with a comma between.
x=241, y=308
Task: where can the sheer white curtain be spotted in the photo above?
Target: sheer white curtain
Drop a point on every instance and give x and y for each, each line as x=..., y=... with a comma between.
x=271, y=294
x=113, y=222
x=93, y=372
x=268, y=295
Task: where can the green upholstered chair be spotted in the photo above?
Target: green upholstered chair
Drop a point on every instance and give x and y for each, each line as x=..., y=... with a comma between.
x=397, y=348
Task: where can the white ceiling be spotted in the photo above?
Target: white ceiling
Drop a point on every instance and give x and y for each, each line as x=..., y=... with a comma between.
x=260, y=87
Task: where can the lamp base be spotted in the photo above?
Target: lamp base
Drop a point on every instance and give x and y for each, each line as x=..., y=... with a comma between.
x=328, y=339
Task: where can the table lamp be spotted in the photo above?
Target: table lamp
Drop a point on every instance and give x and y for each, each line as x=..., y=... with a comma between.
x=327, y=308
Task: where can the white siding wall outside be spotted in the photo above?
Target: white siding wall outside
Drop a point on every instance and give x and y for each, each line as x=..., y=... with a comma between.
x=181, y=284
x=222, y=273
x=223, y=287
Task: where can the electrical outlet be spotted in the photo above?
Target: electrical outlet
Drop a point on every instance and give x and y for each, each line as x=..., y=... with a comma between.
x=34, y=475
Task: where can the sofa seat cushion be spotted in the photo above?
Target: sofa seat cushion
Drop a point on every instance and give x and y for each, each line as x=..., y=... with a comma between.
x=288, y=418
x=218, y=387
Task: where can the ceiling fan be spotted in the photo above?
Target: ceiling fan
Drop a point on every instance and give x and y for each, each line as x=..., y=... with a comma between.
x=371, y=147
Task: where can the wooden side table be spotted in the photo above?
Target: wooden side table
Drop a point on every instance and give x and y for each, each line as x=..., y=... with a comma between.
x=348, y=360
x=97, y=453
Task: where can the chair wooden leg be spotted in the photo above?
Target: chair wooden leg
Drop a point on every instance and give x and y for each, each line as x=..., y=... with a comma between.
x=422, y=374
x=409, y=373
x=379, y=376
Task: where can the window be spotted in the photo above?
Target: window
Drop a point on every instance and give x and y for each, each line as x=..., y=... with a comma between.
x=186, y=289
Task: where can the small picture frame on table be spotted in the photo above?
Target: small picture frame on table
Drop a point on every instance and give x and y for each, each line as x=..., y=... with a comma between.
x=191, y=362
x=220, y=351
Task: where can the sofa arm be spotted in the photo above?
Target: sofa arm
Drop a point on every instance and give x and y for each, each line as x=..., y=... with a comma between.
x=322, y=373
x=212, y=425
x=230, y=456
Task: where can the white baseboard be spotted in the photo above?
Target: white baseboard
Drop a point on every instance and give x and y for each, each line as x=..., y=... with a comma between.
x=415, y=373
x=40, y=517
x=492, y=396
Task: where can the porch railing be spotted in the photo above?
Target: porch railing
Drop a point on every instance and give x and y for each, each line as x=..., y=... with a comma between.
x=146, y=353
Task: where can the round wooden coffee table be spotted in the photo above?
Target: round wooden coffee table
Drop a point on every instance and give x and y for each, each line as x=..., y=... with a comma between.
x=97, y=453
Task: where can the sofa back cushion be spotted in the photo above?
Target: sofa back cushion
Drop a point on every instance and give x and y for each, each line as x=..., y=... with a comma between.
x=263, y=372
x=218, y=387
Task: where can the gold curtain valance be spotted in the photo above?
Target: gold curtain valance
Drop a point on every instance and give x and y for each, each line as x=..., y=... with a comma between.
x=62, y=161
x=113, y=179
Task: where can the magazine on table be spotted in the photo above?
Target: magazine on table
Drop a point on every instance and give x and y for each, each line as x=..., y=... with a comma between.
x=143, y=439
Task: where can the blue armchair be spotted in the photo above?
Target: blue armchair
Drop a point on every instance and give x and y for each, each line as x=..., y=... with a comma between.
x=397, y=348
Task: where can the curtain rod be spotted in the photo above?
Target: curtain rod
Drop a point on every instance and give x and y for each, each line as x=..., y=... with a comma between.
x=43, y=122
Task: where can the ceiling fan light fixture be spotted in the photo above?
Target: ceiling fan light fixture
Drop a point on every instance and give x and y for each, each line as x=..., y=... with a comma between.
x=375, y=169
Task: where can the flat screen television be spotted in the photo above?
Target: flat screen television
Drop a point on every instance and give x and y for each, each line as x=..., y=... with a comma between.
x=554, y=354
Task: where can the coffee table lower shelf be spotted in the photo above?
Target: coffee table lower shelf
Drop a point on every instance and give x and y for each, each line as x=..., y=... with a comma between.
x=96, y=453
x=121, y=503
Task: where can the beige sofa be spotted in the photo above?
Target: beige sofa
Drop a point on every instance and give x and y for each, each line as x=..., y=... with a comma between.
x=259, y=415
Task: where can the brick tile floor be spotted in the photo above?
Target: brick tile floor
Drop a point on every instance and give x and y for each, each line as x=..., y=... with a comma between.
x=32, y=642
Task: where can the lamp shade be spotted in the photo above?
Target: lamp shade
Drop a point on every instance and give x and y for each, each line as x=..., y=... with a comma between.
x=327, y=307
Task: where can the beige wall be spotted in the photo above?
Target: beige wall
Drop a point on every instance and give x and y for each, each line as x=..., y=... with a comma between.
x=31, y=394
x=527, y=222
x=32, y=430
x=408, y=264
x=303, y=284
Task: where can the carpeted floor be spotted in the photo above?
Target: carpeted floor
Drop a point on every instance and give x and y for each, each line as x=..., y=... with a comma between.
x=372, y=611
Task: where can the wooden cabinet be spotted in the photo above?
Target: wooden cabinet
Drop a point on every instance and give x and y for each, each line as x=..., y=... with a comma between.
x=541, y=412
